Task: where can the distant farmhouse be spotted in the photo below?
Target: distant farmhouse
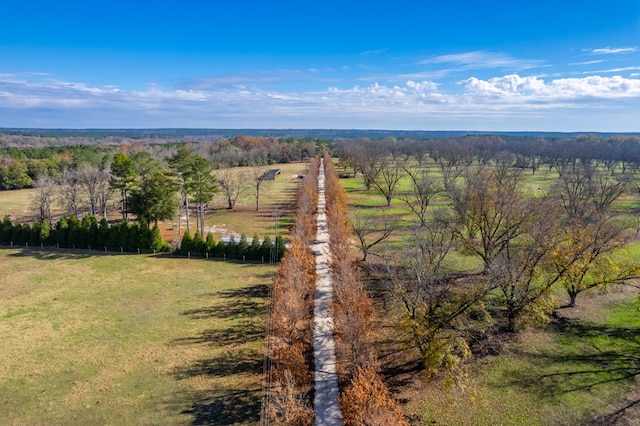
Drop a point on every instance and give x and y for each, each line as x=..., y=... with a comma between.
x=270, y=174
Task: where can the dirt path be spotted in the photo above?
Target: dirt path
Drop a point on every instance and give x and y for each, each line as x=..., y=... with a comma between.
x=326, y=402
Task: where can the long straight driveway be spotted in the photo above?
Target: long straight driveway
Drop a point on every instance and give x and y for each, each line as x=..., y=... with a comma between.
x=326, y=402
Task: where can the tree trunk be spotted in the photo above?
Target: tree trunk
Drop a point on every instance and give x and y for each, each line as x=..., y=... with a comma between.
x=572, y=298
x=186, y=208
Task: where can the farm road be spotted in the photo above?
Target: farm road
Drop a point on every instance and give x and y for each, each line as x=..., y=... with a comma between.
x=326, y=402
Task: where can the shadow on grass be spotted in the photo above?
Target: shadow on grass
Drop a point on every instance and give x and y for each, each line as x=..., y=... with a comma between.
x=51, y=253
x=236, y=303
x=244, y=332
x=244, y=308
x=241, y=361
x=232, y=407
x=594, y=359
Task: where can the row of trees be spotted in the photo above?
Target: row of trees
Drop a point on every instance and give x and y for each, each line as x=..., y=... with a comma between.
x=289, y=333
x=364, y=399
x=88, y=233
x=233, y=249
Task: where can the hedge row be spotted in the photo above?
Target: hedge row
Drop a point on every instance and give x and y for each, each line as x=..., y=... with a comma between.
x=88, y=233
x=233, y=249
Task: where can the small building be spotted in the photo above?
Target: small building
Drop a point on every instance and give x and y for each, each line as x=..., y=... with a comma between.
x=270, y=174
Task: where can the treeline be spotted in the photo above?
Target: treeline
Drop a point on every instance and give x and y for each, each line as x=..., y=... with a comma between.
x=25, y=159
x=364, y=398
x=527, y=152
x=289, y=375
x=88, y=233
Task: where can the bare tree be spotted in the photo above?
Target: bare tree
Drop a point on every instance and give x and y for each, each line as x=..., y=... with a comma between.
x=390, y=172
x=43, y=198
x=104, y=192
x=256, y=174
x=232, y=184
x=434, y=301
x=70, y=194
x=90, y=178
x=491, y=210
x=372, y=231
x=423, y=188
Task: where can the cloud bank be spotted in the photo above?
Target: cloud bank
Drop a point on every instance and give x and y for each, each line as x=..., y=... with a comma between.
x=508, y=102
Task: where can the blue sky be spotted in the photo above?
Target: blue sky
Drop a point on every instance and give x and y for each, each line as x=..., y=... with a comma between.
x=413, y=65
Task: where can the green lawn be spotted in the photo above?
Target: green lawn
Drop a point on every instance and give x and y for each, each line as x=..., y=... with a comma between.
x=127, y=339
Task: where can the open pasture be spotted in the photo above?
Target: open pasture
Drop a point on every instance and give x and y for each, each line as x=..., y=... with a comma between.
x=129, y=339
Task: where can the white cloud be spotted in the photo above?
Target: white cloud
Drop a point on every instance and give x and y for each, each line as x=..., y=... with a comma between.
x=482, y=59
x=598, y=61
x=535, y=89
x=614, y=50
x=373, y=52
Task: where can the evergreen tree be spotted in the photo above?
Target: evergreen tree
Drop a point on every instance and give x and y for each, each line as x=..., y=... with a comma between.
x=280, y=247
x=62, y=232
x=265, y=248
x=103, y=233
x=123, y=176
x=210, y=243
x=156, y=242
x=155, y=198
x=220, y=249
x=198, y=243
x=143, y=236
x=231, y=249
x=90, y=226
x=77, y=234
x=34, y=237
x=243, y=246
x=6, y=229
x=254, y=248
x=133, y=237
x=186, y=245
x=45, y=233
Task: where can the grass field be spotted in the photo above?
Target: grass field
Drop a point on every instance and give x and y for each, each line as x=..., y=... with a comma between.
x=127, y=339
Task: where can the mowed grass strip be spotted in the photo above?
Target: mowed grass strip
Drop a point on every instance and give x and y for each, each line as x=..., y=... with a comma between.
x=129, y=339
